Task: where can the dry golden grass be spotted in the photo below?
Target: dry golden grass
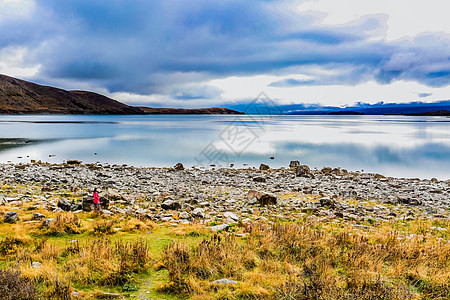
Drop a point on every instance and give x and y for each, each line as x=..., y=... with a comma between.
x=310, y=261
x=327, y=259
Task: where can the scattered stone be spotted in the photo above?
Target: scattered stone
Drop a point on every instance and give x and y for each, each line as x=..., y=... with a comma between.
x=64, y=205
x=326, y=201
x=267, y=199
x=294, y=164
x=11, y=217
x=170, y=204
x=259, y=179
x=36, y=265
x=47, y=222
x=224, y=281
x=179, y=167
x=183, y=215
x=107, y=295
x=198, y=213
x=264, y=167
x=231, y=215
x=408, y=200
x=37, y=216
x=326, y=170
x=219, y=227
x=262, y=198
x=76, y=294
x=302, y=171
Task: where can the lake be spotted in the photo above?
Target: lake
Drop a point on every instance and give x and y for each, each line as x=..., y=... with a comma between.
x=399, y=146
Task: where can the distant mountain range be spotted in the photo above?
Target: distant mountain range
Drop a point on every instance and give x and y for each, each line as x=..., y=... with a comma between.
x=380, y=108
x=23, y=97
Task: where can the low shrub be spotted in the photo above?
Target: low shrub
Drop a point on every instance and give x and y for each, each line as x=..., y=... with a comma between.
x=13, y=286
x=64, y=224
x=104, y=227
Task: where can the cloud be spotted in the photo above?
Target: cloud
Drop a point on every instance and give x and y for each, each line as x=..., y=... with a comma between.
x=196, y=93
x=290, y=82
x=424, y=95
x=172, y=49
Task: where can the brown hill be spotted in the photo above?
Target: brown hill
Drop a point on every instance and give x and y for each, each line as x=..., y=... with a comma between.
x=23, y=97
x=189, y=111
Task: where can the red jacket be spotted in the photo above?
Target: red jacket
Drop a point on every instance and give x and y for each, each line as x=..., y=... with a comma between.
x=96, y=198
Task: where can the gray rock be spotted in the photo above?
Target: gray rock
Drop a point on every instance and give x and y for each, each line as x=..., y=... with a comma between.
x=171, y=204
x=326, y=170
x=219, y=227
x=408, y=200
x=302, y=171
x=224, y=281
x=326, y=201
x=231, y=215
x=37, y=216
x=264, y=167
x=64, y=205
x=294, y=164
x=36, y=265
x=198, y=213
x=73, y=162
x=184, y=215
x=259, y=179
x=179, y=167
x=267, y=199
x=11, y=217
x=262, y=198
x=47, y=222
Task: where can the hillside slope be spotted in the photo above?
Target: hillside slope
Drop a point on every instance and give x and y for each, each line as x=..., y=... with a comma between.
x=23, y=97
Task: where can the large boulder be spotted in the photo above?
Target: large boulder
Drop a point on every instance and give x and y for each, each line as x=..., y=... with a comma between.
x=11, y=217
x=64, y=204
x=179, y=167
x=262, y=197
x=267, y=199
x=69, y=206
x=294, y=164
x=198, y=213
x=326, y=170
x=408, y=200
x=259, y=179
x=170, y=204
x=88, y=203
x=47, y=222
x=37, y=216
x=326, y=202
x=303, y=171
x=264, y=167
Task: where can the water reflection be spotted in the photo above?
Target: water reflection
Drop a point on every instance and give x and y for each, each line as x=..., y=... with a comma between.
x=392, y=145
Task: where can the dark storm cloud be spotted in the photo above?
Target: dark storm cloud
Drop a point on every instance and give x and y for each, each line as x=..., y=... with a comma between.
x=149, y=47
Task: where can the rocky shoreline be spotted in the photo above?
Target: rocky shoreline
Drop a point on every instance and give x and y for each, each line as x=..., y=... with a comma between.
x=225, y=196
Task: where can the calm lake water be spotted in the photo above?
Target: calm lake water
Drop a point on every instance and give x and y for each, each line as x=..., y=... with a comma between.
x=391, y=145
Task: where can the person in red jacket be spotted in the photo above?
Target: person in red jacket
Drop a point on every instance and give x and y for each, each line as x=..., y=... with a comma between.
x=96, y=200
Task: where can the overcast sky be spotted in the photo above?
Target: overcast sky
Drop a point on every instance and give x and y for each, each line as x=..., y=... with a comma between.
x=200, y=53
